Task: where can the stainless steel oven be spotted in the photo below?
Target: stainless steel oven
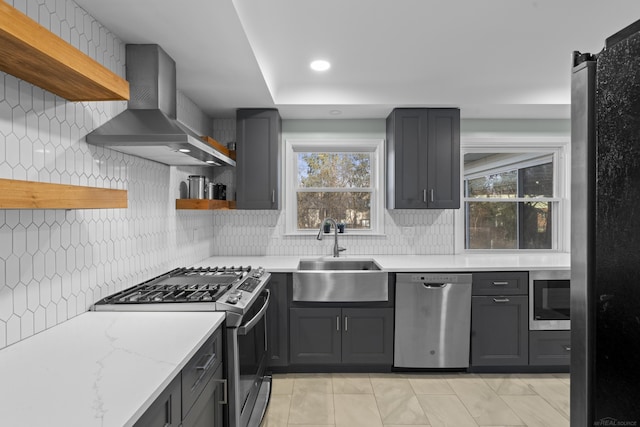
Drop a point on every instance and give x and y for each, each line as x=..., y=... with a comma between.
x=549, y=300
x=246, y=364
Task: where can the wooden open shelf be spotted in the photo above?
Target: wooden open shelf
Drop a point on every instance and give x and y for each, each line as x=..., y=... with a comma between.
x=221, y=148
x=31, y=52
x=16, y=194
x=205, y=204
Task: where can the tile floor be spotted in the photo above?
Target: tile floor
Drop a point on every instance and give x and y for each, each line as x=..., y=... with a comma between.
x=391, y=400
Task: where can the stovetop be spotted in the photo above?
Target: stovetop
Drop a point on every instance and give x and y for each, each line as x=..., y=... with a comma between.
x=191, y=289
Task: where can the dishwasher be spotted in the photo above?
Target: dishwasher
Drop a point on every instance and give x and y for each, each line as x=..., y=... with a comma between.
x=432, y=320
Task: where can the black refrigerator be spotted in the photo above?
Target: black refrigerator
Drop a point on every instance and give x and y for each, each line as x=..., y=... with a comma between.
x=605, y=233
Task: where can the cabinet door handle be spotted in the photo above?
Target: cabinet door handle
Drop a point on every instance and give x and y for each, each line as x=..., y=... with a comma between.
x=424, y=195
x=567, y=347
x=500, y=300
x=167, y=412
x=499, y=283
x=273, y=196
x=225, y=391
x=346, y=324
x=338, y=323
x=432, y=196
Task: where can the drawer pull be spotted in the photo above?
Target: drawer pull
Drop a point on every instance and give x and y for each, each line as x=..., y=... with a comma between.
x=499, y=283
x=500, y=300
x=225, y=394
x=208, y=363
x=567, y=347
x=204, y=368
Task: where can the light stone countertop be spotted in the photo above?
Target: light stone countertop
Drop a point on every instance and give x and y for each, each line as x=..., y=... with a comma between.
x=418, y=263
x=100, y=369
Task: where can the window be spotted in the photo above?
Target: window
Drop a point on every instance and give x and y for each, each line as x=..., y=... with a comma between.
x=511, y=201
x=334, y=179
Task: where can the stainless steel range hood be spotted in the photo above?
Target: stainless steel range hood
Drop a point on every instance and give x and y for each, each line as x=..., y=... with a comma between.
x=148, y=128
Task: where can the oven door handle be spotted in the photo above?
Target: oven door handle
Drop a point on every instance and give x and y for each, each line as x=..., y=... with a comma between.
x=244, y=329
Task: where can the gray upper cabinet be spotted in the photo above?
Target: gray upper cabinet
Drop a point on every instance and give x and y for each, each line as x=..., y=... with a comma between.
x=423, y=158
x=258, y=164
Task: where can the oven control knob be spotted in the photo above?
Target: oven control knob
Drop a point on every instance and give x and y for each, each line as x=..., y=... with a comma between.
x=234, y=297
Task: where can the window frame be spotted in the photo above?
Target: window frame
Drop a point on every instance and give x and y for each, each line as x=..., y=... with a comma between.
x=374, y=146
x=556, y=147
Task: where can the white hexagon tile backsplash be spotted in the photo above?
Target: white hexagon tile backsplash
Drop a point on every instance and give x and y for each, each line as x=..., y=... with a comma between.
x=55, y=263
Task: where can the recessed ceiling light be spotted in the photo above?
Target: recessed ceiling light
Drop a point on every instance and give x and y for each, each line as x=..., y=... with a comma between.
x=184, y=150
x=212, y=162
x=320, y=65
x=335, y=112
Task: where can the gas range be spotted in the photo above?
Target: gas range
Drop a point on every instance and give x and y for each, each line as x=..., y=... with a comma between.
x=239, y=292
x=230, y=289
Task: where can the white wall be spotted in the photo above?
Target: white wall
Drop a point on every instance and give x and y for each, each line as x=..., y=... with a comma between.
x=55, y=263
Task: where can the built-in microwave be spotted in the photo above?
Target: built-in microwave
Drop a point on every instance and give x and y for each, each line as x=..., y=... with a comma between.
x=549, y=299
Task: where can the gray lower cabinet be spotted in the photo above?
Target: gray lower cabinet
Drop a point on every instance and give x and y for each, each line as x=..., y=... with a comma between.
x=499, y=330
x=368, y=336
x=165, y=411
x=316, y=336
x=207, y=411
x=278, y=320
x=327, y=336
x=195, y=397
x=423, y=158
x=549, y=348
x=258, y=164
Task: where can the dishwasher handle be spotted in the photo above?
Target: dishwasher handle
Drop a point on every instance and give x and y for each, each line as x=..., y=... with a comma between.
x=435, y=285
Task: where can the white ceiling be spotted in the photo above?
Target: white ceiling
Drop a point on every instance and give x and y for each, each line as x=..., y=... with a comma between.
x=491, y=58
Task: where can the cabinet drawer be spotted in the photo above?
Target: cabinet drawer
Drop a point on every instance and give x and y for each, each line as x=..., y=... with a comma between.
x=198, y=371
x=501, y=283
x=165, y=410
x=207, y=410
x=549, y=347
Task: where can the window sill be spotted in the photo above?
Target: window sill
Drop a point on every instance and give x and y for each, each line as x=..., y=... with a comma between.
x=513, y=251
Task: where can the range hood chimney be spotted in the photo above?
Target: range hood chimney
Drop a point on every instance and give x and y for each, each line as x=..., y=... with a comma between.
x=148, y=128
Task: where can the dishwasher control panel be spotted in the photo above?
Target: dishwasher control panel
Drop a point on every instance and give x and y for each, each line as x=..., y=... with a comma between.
x=437, y=277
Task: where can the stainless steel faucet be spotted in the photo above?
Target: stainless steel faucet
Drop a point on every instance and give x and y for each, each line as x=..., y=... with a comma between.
x=336, y=249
